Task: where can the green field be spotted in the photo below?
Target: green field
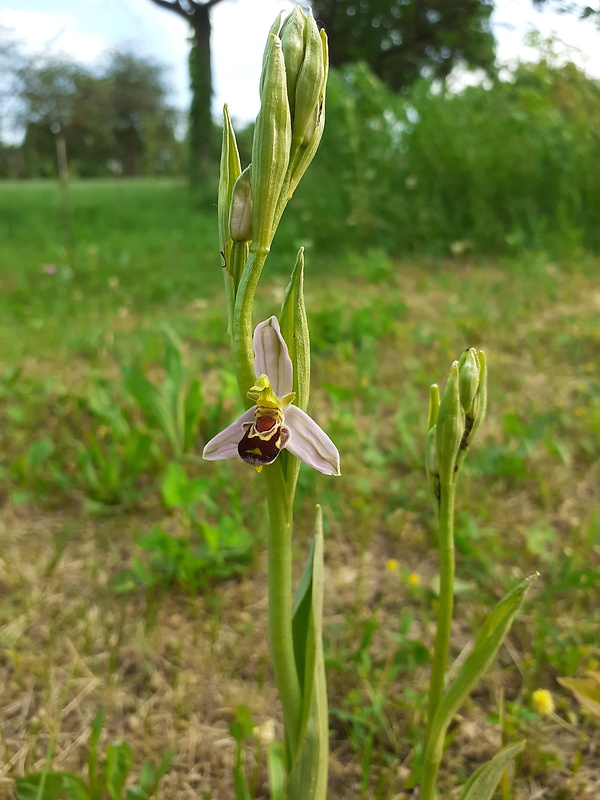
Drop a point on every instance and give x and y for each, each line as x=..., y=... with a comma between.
x=106, y=599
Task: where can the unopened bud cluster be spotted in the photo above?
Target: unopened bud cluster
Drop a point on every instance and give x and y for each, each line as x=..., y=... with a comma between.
x=288, y=130
x=454, y=419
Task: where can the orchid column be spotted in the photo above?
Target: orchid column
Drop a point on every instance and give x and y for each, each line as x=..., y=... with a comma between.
x=272, y=367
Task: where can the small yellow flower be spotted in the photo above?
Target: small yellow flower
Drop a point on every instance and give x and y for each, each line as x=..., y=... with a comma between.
x=543, y=702
x=414, y=579
x=392, y=565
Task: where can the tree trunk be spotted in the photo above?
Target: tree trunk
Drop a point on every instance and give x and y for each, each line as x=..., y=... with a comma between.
x=200, y=126
x=200, y=130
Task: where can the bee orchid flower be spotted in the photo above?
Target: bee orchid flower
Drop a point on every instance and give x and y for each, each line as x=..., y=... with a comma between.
x=274, y=423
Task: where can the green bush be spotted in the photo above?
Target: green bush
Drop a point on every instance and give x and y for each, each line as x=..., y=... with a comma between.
x=503, y=166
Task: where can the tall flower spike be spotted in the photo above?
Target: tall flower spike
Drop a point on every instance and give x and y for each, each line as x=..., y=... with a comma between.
x=273, y=423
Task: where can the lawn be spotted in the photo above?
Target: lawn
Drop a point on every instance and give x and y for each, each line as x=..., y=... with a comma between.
x=133, y=574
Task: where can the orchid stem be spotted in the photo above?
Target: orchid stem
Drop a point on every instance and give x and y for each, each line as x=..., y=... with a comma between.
x=280, y=602
x=242, y=352
x=433, y=751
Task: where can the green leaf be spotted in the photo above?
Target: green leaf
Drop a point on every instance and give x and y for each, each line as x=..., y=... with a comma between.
x=193, y=405
x=178, y=491
x=153, y=404
x=174, y=483
x=119, y=759
x=586, y=690
x=301, y=614
x=38, y=452
x=92, y=759
x=51, y=786
x=174, y=383
x=486, y=646
x=482, y=784
x=276, y=768
x=150, y=776
x=308, y=775
x=173, y=358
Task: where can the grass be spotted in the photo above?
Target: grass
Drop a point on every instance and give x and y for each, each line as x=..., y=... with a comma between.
x=173, y=667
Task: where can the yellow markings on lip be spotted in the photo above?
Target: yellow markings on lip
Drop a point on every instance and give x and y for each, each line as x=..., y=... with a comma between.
x=263, y=395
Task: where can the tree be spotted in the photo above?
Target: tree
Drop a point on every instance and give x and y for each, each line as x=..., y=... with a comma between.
x=137, y=106
x=404, y=39
x=197, y=15
x=48, y=94
x=114, y=115
x=10, y=61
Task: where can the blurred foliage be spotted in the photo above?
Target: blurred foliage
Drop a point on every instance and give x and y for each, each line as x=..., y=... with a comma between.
x=108, y=774
x=404, y=40
x=505, y=166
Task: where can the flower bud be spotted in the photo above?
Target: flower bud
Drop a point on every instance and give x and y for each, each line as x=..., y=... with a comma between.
x=450, y=427
x=240, y=212
x=293, y=39
x=271, y=144
x=273, y=31
x=309, y=85
x=468, y=383
x=473, y=396
x=309, y=120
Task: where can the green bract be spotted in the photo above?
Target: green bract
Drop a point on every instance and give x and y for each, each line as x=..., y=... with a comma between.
x=294, y=328
x=230, y=170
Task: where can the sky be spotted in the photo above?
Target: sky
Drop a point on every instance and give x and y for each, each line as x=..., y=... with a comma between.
x=84, y=29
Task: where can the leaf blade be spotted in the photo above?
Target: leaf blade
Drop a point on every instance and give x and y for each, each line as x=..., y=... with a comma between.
x=482, y=784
